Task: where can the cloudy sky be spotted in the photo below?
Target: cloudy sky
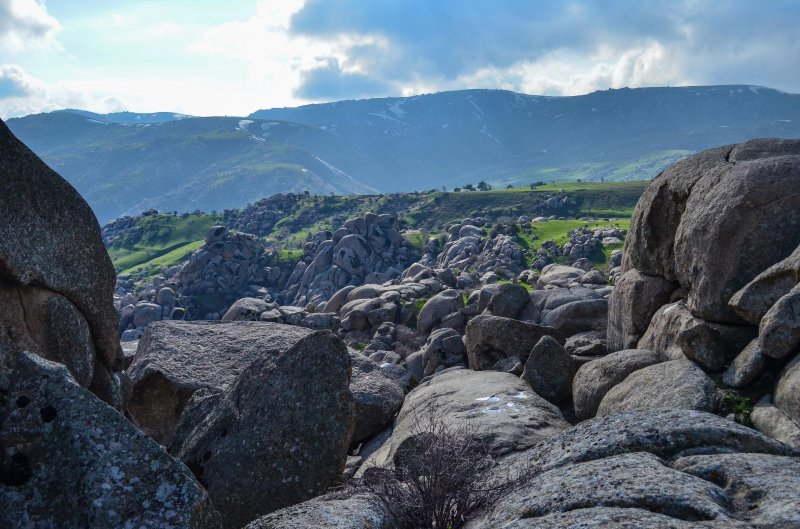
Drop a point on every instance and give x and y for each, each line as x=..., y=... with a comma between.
x=207, y=57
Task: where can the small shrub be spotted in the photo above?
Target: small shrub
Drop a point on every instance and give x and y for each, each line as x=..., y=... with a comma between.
x=442, y=475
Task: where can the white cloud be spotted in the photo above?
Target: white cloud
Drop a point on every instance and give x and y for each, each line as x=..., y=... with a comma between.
x=27, y=24
x=22, y=94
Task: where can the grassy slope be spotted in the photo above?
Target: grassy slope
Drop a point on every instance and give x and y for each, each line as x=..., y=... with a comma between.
x=168, y=239
x=165, y=240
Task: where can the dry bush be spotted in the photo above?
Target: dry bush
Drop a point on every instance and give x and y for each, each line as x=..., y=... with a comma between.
x=442, y=475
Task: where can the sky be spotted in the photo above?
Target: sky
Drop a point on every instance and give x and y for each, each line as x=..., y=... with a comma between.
x=204, y=57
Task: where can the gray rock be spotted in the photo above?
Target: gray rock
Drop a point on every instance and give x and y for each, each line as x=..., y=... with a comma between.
x=443, y=349
x=69, y=460
x=771, y=421
x=578, y=316
x=549, y=370
x=614, y=518
x=245, y=309
x=376, y=397
x=146, y=313
x=270, y=442
x=674, y=333
x=46, y=222
x=635, y=299
x=770, y=483
x=632, y=481
x=334, y=511
x=175, y=359
x=595, y=379
x=674, y=384
x=754, y=300
x=787, y=391
x=490, y=339
x=508, y=301
x=501, y=408
x=746, y=367
x=436, y=308
x=559, y=275
x=779, y=332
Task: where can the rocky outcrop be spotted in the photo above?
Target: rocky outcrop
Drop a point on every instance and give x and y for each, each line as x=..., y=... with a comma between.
x=54, y=302
x=69, y=460
x=175, y=359
x=659, y=468
x=229, y=266
x=365, y=249
x=335, y=511
x=277, y=435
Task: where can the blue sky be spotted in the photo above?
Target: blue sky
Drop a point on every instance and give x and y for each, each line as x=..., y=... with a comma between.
x=212, y=58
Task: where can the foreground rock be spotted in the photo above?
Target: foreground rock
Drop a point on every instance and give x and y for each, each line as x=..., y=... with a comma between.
x=52, y=301
x=330, y=512
x=175, y=359
x=277, y=435
x=626, y=470
x=497, y=408
x=69, y=460
x=549, y=370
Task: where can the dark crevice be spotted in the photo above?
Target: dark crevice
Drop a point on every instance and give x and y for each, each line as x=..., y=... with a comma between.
x=15, y=471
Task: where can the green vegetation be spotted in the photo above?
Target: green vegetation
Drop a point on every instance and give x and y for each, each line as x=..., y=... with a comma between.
x=161, y=240
x=740, y=405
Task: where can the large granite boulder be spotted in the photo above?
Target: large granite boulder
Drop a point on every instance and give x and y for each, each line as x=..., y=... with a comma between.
x=754, y=300
x=437, y=308
x=674, y=384
x=703, y=222
x=549, y=370
x=493, y=339
x=501, y=410
x=279, y=433
x=56, y=279
x=69, y=460
x=175, y=359
x=634, y=301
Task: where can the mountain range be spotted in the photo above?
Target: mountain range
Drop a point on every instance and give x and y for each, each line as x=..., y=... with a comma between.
x=126, y=162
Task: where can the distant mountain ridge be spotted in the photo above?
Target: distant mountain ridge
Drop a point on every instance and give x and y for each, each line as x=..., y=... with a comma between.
x=125, y=162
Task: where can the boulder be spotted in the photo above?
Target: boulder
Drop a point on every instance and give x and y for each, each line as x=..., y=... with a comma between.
x=578, y=316
x=595, y=379
x=635, y=299
x=245, y=309
x=508, y=301
x=268, y=441
x=490, y=339
x=674, y=333
x=45, y=222
x=714, y=205
x=443, y=349
x=549, y=370
x=674, y=384
x=333, y=511
x=437, y=308
x=787, y=390
x=70, y=460
x=376, y=397
x=559, y=275
x=771, y=421
x=779, y=332
x=754, y=299
x=616, y=471
x=746, y=367
x=499, y=408
x=175, y=359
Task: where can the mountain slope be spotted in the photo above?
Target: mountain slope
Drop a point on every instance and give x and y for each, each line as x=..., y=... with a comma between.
x=124, y=163
x=456, y=137
x=193, y=163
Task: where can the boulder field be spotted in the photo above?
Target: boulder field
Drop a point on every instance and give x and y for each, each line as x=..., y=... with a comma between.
x=664, y=392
